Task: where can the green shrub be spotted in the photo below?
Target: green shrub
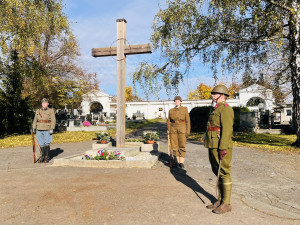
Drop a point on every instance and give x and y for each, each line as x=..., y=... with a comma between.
x=151, y=136
x=237, y=112
x=199, y=117
x=103, y=136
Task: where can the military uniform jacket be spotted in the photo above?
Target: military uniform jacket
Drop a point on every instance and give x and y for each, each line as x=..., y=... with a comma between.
x=220, y=127
x=179, y=118
x=44, y=119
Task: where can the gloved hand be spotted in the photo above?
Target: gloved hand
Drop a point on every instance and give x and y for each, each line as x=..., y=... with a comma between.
x=51, y=131
x=222, y=153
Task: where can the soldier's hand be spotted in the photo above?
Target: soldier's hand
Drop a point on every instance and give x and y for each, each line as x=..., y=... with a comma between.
x=222, y=153
x=187, y=135
x=51, y=131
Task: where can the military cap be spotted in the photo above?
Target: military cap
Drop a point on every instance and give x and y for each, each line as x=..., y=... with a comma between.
x=177, y=98
x=44, y=100
x=221, y=89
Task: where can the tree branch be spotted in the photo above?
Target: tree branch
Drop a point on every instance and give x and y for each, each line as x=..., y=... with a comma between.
x=280, y=5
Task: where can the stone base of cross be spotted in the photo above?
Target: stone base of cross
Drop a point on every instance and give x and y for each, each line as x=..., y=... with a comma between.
x=121, y=51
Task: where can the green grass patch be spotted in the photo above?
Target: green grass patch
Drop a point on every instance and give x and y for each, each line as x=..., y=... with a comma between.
x=72, y=136
x=139, y=124
x=272, y=142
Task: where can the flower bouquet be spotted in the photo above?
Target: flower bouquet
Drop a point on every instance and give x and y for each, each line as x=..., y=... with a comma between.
x=86, y=123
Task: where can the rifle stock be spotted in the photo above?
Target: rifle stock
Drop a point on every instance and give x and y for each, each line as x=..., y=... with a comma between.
x=218, y=178
x=33, y=148
x=170, y=151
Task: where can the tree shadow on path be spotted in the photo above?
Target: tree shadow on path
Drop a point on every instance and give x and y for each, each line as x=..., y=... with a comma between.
x=181, y=176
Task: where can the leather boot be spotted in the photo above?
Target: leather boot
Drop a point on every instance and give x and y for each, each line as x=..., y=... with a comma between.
x=181, y=166
x=42, y=157
x=46, y=158
x=223, y=208
x=215, y=205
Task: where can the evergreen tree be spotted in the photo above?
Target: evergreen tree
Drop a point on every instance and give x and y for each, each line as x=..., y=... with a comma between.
x=15, y=110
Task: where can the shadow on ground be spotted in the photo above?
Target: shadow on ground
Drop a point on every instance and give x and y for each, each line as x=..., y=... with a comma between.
x=181, y=176
x=161, y=127
x=55, y=152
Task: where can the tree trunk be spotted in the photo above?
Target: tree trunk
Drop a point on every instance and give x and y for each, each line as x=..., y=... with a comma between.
x=294, y=42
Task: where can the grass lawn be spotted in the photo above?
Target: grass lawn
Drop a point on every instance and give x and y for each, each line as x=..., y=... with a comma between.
x=78, y=136
x=272, y=142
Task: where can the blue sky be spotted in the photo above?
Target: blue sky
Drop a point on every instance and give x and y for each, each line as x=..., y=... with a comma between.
x=94, y=25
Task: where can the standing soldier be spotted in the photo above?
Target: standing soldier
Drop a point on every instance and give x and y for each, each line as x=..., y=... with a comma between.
x=44, y=124
x=218, y=140
x=178, y=127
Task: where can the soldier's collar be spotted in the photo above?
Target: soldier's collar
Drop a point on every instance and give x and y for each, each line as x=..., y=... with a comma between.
x=219, y=104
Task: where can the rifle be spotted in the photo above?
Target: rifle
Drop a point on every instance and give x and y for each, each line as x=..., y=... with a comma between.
x=33, y=147
x=170, y=151
x=218, y=177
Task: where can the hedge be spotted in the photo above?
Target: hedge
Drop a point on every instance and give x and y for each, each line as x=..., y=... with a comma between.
x=199, y=117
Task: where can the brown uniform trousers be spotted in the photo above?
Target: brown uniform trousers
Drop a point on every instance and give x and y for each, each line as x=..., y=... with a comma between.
x=179, y=127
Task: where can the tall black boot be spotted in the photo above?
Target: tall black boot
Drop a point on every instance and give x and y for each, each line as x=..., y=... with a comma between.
x=47, y=150
x=42, y=157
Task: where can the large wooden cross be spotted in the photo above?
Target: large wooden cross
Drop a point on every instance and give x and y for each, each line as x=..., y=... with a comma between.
x=121, y=51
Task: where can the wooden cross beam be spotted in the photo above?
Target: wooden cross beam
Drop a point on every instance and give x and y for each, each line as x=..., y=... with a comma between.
x=121, y=51
x=128, y=50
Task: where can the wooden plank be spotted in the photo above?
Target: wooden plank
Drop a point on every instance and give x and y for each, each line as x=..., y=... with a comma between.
x=121, y=76
x=128, y=50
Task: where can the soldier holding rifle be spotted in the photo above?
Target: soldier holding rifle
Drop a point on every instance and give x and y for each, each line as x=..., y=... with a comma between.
x=218, y=140
x=44, y=124
x=178, y=128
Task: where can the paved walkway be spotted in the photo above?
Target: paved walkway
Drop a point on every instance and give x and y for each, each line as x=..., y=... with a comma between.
x=265, y=190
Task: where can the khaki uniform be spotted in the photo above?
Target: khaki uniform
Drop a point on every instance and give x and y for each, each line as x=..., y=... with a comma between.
x=219, y=136
x=179, y=127
x=44, y=119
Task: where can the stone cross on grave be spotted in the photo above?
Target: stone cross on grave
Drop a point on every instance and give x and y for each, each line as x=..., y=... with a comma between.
x=121, y=51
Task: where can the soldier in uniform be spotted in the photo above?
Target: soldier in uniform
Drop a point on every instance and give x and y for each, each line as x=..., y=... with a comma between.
x=44, y=124
x=179, y=127
x=218, y=140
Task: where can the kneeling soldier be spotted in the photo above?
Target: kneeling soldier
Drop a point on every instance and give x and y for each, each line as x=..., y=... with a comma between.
x=44, y=124
x=178, y=127
x=218, y=140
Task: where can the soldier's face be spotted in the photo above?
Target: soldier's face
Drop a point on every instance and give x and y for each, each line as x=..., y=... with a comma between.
x=177, y=102
x=216, y=97
x=45, y=105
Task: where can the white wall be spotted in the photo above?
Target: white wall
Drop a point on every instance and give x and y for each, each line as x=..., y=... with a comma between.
x=151, y=108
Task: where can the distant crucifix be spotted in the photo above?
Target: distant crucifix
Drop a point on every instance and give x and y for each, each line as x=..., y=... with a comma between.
x=121, y=51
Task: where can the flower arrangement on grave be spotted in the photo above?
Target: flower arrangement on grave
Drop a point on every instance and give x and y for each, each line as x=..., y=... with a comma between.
x=150, y=136
x=105, y=155
x=86, y=123
x=102, y=137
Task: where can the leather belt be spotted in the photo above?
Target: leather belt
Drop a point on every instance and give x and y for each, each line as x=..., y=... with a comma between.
x=44, y=121
x=179, y=121
x=213, y=129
